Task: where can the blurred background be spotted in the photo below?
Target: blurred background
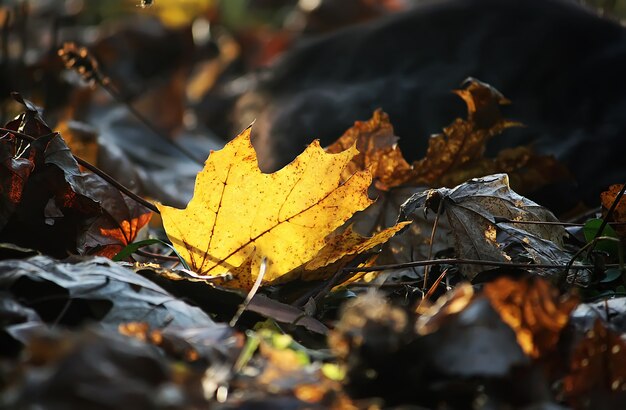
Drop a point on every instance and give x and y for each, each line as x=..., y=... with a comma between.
x=171, y=67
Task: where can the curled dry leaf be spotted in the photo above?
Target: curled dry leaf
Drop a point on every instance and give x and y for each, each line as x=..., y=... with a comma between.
x=118, y=223
x=534, y=309
x=239, y=215
x=475, y=210
x=463, y=142
x=619, y=214
x=378, y=151
x=47, y=202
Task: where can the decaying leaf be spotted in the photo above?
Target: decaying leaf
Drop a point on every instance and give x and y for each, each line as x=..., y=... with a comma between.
x=118, y=223
x=81, y=139
x=378, y=151
x=464, y=141
x=239, y=215
x=46, y=206
x=529, y=171
x=476, y=210
x=533, y=309
x=597, y=377
x=95, y=290
x=619, y=214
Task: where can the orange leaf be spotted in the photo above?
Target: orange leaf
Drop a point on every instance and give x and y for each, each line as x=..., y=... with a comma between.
x=378, y=151
x=619, y=214
x=533, y=309
x=463, y=142
x=598, y=366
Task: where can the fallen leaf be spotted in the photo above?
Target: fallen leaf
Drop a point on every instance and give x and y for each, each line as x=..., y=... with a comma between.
x=473, y=342
x=432, y=317
x=529, y=171
x=80, y=138
x=13, y=176
x=597, y=377
x=378, y=151
x=96, y=368
x=239, y=215
x=47, y=202
x=619, y=214
x=463, y=142
x=95, y=290
x=53, y=208
x=477, y=212
x=119, y=222
x=534, y=309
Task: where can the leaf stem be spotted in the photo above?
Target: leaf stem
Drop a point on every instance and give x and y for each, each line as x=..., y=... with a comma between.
x=248, y=299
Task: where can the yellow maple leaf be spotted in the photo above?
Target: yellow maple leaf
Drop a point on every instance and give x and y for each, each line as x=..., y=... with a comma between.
x=239, y=215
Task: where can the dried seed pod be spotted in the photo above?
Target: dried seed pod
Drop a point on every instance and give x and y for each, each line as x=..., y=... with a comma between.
x=79, y=60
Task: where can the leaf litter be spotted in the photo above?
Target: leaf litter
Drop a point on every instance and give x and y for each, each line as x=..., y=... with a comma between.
x=89, y=325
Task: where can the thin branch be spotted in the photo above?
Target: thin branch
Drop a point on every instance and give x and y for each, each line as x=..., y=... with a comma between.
x=456, y=261
x=510, y=221
x=117, y=96
x=432, y=243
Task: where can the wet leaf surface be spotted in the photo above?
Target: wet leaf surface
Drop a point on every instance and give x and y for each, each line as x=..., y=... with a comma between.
x=475, y=211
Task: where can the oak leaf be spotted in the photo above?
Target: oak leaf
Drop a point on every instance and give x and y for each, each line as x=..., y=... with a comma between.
x=239, y=215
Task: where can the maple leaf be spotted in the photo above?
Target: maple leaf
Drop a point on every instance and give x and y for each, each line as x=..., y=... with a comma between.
x=239, y=215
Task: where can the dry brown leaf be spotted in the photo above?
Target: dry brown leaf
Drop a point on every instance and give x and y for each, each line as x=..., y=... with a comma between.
x=619, y=214
x=598, y=367
x=463, y=142
x=529, y=171
x=378, y=151
x=477, y=212
x=533, y=308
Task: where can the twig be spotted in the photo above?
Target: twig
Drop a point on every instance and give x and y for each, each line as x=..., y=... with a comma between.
x=510, y=221
x=433, y=287
x=117, y=96
x=456, y=261
x=96, y=171
x=430, y=246
x=589, y=246
x=153, y=255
